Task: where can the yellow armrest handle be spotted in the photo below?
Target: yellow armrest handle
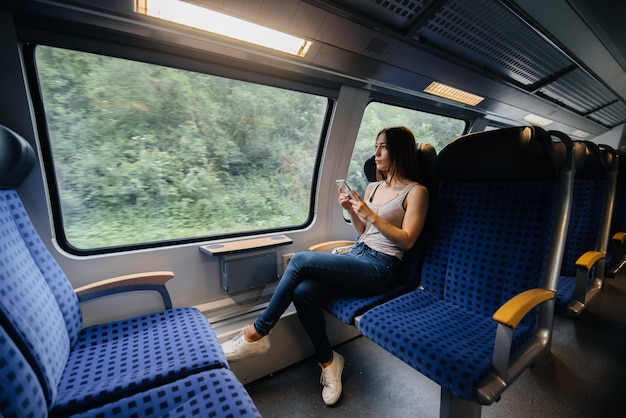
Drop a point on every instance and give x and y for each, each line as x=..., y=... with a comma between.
x=619, y=236
x=512, y=312
x=588, y=259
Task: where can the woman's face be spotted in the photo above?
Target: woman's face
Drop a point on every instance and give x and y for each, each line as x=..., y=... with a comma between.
x=381, y=155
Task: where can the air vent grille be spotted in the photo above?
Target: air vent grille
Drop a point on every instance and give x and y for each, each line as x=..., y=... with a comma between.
x=486, y=33
x=376, y=46
x=579, y=92
x=610, y=116
x=398, y=14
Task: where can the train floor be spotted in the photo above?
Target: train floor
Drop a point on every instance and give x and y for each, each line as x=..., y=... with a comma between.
x=585, y=376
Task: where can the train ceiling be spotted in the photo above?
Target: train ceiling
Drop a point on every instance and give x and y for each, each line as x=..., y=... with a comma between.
x=567, y=53
x=497, y=38
x=561, y=59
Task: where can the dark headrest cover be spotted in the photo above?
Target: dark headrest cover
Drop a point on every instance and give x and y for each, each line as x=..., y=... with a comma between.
x=17, y=158
x=610, y=157
x=427, y=159
x=369, y=167
x=588, y=161
x=518, y=153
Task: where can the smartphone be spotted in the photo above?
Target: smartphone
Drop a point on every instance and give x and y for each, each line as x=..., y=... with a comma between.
x=345, y=188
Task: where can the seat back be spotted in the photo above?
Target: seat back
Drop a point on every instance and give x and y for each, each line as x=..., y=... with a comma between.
x=38, y=308
x=593, y=194
x=614, y=261
x=587, y=202
x=618, y=220
x=497, y=238
x=21, y=394
x=498, y=215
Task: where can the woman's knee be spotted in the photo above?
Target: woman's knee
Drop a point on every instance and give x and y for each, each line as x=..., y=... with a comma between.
x=301, y=259
x=307, y=291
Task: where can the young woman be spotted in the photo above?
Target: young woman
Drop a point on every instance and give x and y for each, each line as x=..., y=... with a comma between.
x=388, y=221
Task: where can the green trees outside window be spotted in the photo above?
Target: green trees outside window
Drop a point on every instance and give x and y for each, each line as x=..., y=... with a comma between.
x=145, y=153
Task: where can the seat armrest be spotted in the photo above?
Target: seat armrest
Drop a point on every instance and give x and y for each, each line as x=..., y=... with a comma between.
x=151, y=280
x=584, y=264
x=619, y=237
x=512, y=312
x=329, y=245
x=508, y=317
x=589, y=259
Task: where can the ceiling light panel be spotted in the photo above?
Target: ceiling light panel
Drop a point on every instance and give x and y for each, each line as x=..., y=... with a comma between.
x=452, y=93
x=198, y=17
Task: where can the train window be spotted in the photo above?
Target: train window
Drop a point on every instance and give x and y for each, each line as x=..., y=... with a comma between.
x=145, y=153
x=435, y=129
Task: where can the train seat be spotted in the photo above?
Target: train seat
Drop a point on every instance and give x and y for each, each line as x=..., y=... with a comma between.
x=347, y=308
x=616, y=257
x=484, y=310
x=21, y=394
x=98, y=368
x=588, y=231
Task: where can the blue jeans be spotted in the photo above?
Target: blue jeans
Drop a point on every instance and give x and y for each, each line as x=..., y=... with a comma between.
x=312, y=277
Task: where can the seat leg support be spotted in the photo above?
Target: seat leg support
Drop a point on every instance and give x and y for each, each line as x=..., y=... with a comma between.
x=454, y=407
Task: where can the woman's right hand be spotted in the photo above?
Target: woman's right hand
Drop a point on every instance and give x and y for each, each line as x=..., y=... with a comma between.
x=344, y=200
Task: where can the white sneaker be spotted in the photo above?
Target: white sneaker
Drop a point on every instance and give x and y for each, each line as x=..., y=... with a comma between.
x=237, y=348
x=331, y=379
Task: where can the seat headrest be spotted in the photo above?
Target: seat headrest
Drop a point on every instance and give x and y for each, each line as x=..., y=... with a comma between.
x=369, y=167
x=17, y=158
x=517, y=153
x=589, y=161
x=426, y=157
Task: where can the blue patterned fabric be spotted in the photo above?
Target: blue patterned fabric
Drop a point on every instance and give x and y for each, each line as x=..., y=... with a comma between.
x=163, y=363
x=488, y=243
x=214, y=393
x=132, y=355
x=346, y=308
x=57, y=281
x=20, y=392
x=106, y=361
x=583, y=234
x=28, y=308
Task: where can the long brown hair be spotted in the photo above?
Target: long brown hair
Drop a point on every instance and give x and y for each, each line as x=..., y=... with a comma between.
x=402, y=155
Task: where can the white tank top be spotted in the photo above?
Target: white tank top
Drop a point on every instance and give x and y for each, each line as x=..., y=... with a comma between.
x=393, y=212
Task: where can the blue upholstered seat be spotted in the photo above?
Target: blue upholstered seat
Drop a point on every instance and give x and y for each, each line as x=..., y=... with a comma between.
x=492, y=239
x=214, y=392
x=79, y=369
x=347, y=308
x=588, y=230
x=20, y=392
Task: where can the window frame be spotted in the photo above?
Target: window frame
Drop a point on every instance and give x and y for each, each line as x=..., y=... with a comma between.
x=177, y=62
